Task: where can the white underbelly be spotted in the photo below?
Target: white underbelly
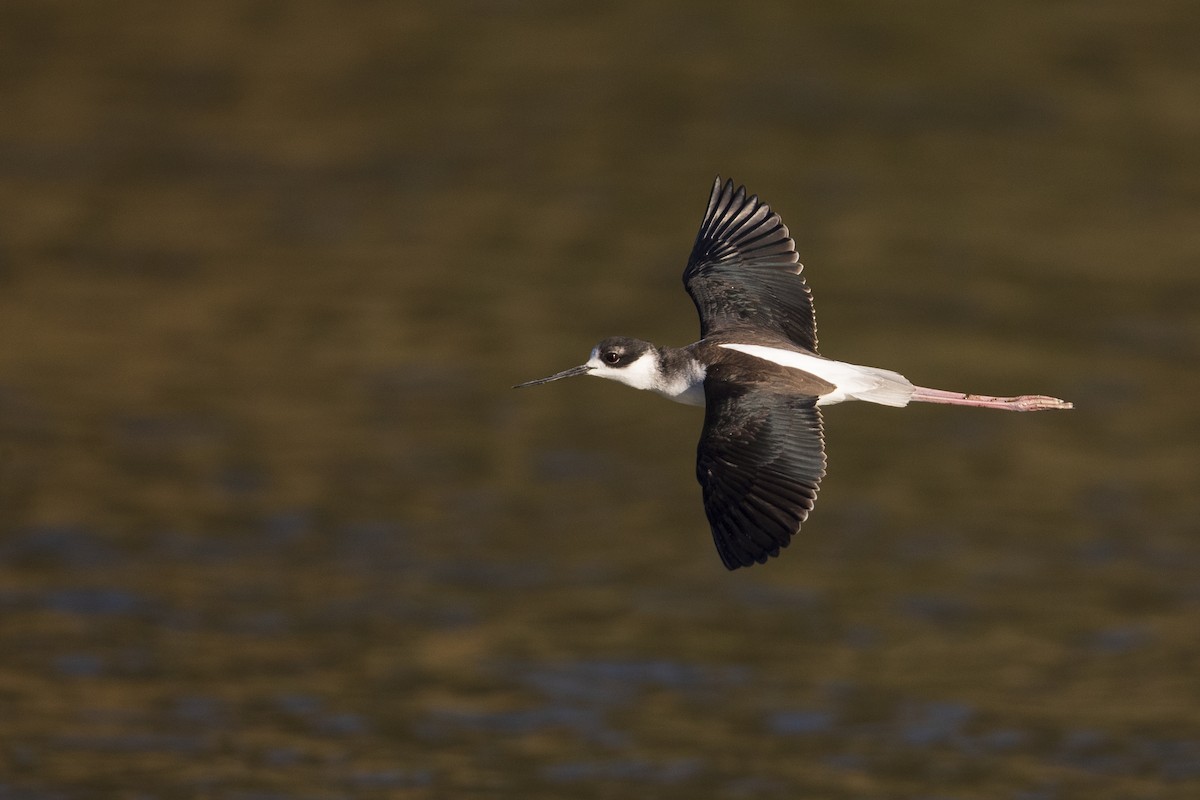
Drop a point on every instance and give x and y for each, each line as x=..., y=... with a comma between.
x=850, y=381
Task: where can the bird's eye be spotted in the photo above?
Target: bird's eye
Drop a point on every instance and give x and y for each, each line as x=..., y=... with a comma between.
x=612, y=357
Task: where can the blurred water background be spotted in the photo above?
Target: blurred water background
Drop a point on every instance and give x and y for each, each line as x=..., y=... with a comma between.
x=273, y=525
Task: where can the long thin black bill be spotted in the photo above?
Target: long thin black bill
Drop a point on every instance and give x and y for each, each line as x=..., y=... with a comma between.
x=582, y=369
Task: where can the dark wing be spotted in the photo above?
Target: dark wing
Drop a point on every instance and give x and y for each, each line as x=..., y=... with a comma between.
x=760, y=462
x=744, y=271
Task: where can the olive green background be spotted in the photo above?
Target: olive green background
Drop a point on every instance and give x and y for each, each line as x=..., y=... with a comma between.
x=273, y=525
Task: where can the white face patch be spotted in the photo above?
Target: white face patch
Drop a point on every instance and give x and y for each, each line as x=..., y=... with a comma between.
x=641, y=374
x=646, y=373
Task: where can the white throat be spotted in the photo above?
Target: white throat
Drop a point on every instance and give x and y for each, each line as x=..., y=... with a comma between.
x=686, y=386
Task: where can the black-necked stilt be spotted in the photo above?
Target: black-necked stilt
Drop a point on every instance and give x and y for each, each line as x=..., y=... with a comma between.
x=757, y=373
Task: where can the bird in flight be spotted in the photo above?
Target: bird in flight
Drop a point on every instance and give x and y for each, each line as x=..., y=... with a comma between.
x=757, y=372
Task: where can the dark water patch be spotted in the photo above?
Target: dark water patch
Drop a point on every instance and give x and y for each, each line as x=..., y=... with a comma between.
x=255, y=540
x=279, y=535
x=1172, y=759
x=284, y=756
x=1170, y=337
x=878, y=722
x=942, y=610
x=390, y=779
x=1037, y=794
x=57, y=546
x=558, y=466
x=134, y=662
x=378, y=546
x=340, y=724
x=383, y=602
x=1094, y=751
x=632, y=770
x=1107, y=394
x=859, y=525
x=496, y=574
x=1111, y=506
x=795, y=599
x=1119, y=639
x=196, y=549
x=96, y=601
x=261, y=622
x=429, y=378
x=298, y=705
x=846, y=762
x=861, y=637
x=621, y=682
x=198, y=709
x=242, y=480
x=999, y=740
x=149, y=262
x=802, y=723
x=79, y=665
x=186, y=452
x=1102, y=552
x=17, y=407
x=587, y=724
x=288, y=526
x=191, y=87
x=927, y=547
x=755, y=786
x=145, y=742
x=927, y=724
x=311, y=710
x=12, y=791
x=1101, y=753
x=909, y=110
x=168, y=432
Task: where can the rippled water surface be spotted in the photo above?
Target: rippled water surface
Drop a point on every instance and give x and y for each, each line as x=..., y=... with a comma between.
x=274, y=526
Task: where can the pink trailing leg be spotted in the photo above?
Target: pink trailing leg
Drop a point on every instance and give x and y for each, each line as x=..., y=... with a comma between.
x=1025, y=402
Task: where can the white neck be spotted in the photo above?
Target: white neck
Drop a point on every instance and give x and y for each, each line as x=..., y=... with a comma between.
x=647, y=373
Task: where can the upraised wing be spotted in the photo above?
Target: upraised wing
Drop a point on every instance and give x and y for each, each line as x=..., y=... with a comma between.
x=744, y=271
